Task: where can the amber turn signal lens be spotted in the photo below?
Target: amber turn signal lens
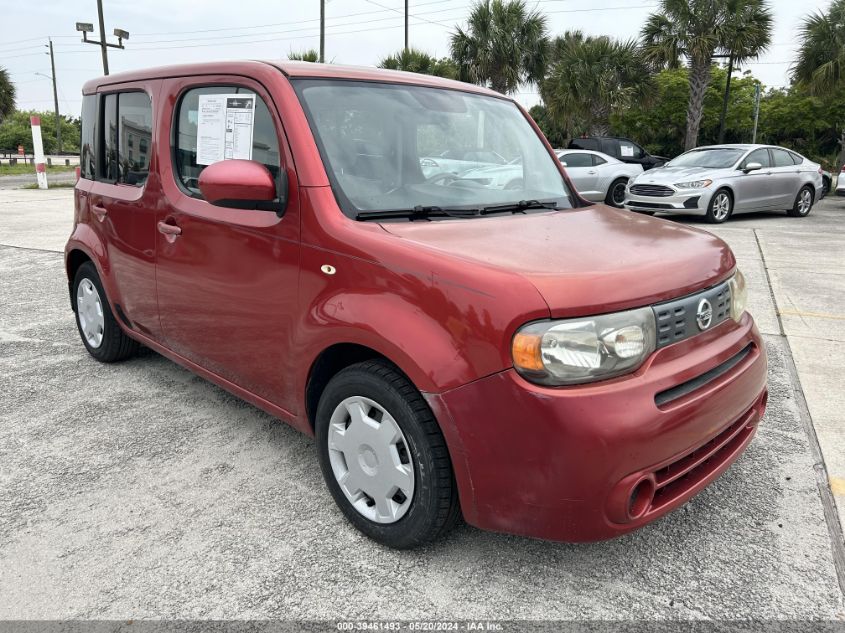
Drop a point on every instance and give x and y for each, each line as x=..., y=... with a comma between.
x=526, y=352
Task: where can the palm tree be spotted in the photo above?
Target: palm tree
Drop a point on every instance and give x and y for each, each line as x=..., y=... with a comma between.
x=7, y=94
x=504, y=45
x=591, y=78
x=310, y=55
x=820, y=68
x=699, y=29
x=416, y=61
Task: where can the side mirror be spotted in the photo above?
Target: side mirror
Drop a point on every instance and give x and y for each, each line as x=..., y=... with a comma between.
x=563, y=162
x=242, y=184
x=752, y=167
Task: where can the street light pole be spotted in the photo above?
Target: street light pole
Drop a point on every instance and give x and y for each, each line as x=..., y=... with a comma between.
x=56, y=100
x=86, y=27
x=406, y=26
x=103, y=48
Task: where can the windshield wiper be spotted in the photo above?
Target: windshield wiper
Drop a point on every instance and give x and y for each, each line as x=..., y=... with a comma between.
x=519, y=207
x=418, y=213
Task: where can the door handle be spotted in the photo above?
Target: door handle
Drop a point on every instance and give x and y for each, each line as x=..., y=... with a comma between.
x=170, y=231
x=99, y=211
x=592, y=173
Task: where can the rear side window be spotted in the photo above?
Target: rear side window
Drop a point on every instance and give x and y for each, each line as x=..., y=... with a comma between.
x=598, y=160
x=263, y=149
x=577, y=160
x=611, y=147
x=782, y=158
x=126, y=141
x=87, y=162
x=796, y=158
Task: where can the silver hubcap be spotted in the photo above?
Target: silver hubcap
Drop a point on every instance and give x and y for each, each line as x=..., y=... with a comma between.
x=89, y=310
x=805, y=201
x=721, y=206
x=370, y=459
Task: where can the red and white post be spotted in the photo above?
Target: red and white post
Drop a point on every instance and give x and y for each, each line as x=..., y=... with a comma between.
x=38, y=150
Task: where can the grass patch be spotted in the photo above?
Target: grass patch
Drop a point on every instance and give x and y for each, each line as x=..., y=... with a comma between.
x=22, y=170
x=52, y=185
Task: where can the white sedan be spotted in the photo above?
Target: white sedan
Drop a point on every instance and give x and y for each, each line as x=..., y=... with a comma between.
x=598, y=177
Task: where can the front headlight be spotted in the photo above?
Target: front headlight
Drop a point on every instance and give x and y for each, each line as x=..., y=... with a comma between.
x=575, y=351
x=694, y=184
x=739, y=295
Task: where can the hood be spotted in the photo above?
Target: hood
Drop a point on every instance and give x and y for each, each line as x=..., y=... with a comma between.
x=584, y=261
x=672, y=175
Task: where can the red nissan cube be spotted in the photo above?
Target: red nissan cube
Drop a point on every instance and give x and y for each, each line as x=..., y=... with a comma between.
x=398, y=265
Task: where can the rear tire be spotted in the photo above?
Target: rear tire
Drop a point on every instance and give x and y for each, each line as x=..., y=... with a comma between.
x=372, y=423
x=616, y=193
x=99, y=330
x=721, y=207
x=803, y=203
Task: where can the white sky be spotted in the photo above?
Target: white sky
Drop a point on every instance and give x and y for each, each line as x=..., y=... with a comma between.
x=358, y=32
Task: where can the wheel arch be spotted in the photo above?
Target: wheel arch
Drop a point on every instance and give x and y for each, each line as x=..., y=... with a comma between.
x=328, y=363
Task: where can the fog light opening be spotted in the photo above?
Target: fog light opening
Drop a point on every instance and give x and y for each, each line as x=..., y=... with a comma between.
x=642, y=494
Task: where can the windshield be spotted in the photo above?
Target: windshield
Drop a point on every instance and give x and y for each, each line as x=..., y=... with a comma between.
x=395, y=147
x=717, y=158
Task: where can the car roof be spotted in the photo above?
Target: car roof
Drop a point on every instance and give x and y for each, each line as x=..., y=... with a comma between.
x=290, y=69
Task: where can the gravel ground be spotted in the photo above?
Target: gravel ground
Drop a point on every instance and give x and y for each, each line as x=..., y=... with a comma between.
x=139, y=490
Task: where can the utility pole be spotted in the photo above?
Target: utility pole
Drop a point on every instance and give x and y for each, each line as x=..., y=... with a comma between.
x=322, y=31
x=56, y=100
x=406, y=26
x=86, y=27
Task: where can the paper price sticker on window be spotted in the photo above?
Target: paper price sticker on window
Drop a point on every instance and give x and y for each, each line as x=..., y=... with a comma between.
x=225, y=127
x=627, y=151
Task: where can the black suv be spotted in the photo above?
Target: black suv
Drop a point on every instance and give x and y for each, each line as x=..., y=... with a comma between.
x=623, y=149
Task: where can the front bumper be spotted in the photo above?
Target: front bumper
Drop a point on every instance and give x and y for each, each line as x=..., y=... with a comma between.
x=687, y=202
x=593, y=462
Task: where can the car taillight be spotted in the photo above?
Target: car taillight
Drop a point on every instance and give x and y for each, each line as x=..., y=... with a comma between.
x=78, y=171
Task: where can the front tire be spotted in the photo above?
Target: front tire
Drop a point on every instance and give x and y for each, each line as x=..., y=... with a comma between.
x=616, y=193
x=384, y=458
x=97, y=326
x=803, y=203
x=720, y=208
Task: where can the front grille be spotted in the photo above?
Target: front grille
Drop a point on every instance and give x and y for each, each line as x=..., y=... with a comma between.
x=677, y=320
x=654, y=191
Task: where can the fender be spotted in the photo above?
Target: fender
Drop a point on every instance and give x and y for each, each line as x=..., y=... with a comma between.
x=85, y=239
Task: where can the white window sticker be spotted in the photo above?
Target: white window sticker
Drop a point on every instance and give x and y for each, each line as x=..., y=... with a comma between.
x=225, y=127
x=627, y=150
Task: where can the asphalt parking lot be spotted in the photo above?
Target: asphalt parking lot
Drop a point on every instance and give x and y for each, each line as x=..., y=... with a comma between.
x=139, y=490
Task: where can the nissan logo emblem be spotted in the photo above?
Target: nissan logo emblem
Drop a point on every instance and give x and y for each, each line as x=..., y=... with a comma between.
x=704, y=316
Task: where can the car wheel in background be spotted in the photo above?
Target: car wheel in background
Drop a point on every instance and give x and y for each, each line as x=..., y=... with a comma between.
x=616, y=193
x=384, y=458
x=98, y=328
x=803, y=203
x=721, y=207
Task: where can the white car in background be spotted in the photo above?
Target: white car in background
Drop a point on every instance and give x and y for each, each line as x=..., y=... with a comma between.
x=598, y=177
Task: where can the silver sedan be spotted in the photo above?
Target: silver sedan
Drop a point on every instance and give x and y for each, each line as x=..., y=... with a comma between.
x=598, y=177
x=721, y=180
